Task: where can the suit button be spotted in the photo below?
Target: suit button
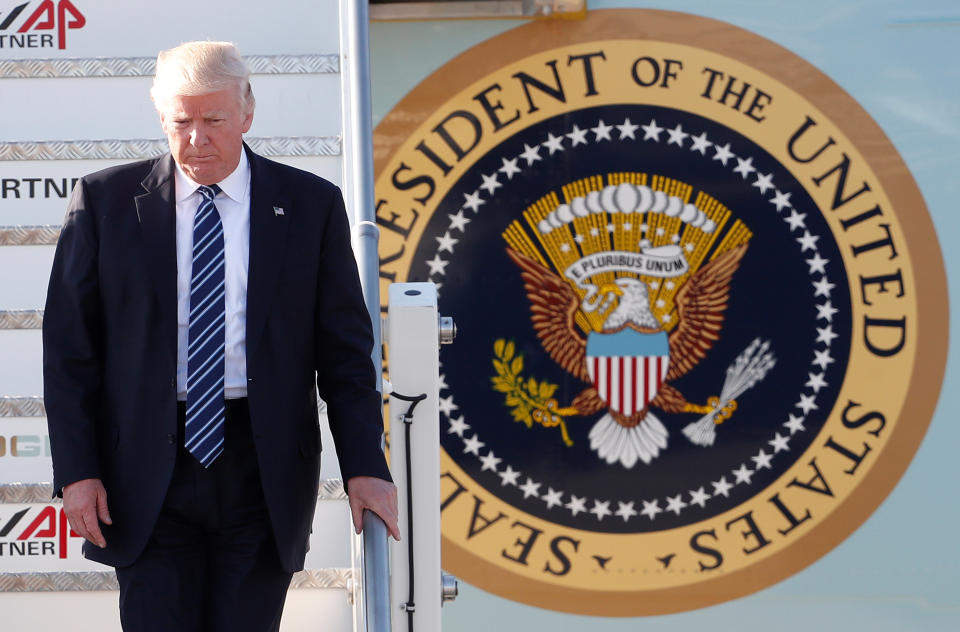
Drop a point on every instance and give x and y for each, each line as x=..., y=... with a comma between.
x=171, y=439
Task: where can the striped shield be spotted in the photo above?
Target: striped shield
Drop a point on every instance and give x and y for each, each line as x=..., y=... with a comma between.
x=628, y=367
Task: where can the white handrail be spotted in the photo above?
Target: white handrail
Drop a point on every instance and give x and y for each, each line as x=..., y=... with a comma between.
x=372, y=603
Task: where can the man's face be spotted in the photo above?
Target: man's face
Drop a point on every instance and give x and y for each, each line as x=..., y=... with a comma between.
x=205, y=133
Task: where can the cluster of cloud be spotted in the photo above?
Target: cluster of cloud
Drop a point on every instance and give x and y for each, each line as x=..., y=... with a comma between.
x=626, y=198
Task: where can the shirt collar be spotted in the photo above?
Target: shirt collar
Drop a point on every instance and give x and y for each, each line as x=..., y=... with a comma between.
x=234, y=186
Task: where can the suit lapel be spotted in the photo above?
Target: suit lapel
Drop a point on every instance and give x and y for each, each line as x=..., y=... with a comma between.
x=269, y=217
x=156, y=210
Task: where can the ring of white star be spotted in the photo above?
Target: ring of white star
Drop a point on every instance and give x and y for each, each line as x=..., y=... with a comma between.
x=628, y=131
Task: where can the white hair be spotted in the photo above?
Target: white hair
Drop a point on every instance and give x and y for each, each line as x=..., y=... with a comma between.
x=196, y=68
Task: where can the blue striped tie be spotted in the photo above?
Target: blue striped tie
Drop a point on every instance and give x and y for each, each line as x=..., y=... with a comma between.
x=207, y=322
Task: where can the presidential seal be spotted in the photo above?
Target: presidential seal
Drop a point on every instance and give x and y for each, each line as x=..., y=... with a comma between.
x=700, y=306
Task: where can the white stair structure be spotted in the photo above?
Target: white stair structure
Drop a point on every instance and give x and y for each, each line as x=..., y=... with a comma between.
x=72, y=111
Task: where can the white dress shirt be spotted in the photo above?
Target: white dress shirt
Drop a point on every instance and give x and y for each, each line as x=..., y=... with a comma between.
x=233, y=204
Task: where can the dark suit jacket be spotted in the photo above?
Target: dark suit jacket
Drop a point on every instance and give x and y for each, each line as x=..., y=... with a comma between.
x=110, y=347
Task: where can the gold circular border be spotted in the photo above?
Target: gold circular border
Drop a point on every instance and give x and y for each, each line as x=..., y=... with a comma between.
x=930, y=279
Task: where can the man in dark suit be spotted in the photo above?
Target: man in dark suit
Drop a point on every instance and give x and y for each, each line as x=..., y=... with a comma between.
x=198, y=303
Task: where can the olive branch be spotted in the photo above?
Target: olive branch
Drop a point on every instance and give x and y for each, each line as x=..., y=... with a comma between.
x=529, y=401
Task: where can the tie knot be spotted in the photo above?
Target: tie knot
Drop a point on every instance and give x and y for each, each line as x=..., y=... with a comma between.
x=208, y=192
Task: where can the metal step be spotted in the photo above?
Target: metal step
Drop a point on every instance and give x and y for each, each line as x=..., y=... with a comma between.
x=139, y=148
x=21, y=318
x=145, y=66
x=11, y=406
x=30, y=493
x=17, y=406
x=66, y=581
x=59, y=580
x=29, y=235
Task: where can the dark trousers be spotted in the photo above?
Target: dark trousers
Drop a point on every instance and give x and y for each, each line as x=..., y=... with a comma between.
x=211, y=563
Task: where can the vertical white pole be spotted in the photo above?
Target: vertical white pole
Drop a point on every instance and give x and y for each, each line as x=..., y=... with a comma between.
x=413, y=347
x=357, y=149
x=371, y=559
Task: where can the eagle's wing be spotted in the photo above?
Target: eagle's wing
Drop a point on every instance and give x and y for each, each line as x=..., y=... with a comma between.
x=701, y=303
x=589, y=402
x=553, y=304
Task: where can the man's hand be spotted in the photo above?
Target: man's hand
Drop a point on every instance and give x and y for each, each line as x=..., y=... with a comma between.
x=377, y=495
x=84, y=502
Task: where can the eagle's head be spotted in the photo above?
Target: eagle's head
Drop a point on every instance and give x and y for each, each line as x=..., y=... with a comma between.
x=633, y=305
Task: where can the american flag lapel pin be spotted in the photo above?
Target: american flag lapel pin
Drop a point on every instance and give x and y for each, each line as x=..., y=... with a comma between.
x=278, y=210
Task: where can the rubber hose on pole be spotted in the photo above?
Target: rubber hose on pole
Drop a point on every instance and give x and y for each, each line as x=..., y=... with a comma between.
x=407, y=422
